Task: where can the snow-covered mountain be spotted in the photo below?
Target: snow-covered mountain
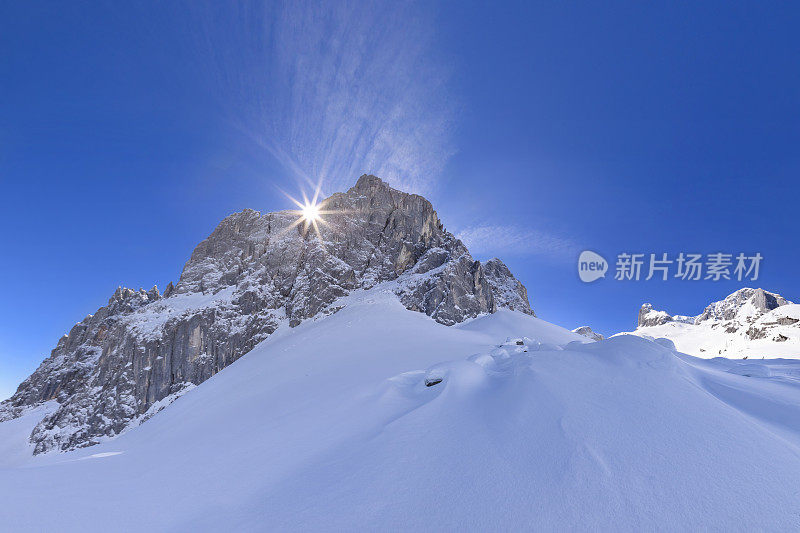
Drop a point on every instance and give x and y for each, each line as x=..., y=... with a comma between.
x=379, y=418
x=253, y=274
x=376, y=377
x=750, y=323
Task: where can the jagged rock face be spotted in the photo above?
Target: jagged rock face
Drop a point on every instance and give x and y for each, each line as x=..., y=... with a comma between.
x=743, y=304
x=650, y=317
x=253, y=273
x=508, y=291
x=749, y=322
x=587, y=332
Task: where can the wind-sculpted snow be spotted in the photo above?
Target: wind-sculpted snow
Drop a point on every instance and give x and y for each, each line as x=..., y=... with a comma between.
x=332, y=426
x=254, y=273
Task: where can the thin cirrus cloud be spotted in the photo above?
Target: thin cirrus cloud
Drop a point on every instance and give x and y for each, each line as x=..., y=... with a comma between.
x=333, y=90
x=488, y=240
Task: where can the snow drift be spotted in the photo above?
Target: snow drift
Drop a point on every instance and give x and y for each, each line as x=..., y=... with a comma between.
x=331, y=426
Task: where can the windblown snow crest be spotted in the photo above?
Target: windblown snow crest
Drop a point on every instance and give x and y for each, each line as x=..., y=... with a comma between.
x=254, y=273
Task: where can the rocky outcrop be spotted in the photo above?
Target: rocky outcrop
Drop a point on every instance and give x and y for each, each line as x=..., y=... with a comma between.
x=742, y=306
x=507, y=290
x=587, y=332
x=747, y=323
x=745, y=305
x=650, y=317
x=252, y=274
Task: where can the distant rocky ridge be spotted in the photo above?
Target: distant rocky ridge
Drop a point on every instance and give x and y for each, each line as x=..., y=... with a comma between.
x=587, y=332
x=255, y=272
x=747, y=323
x=743, y=305
x=650, y=317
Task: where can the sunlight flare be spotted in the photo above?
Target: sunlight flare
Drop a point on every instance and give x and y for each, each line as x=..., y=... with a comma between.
x=311, y=212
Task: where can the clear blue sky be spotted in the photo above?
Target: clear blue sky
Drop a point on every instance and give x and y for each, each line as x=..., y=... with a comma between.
x=128, y=132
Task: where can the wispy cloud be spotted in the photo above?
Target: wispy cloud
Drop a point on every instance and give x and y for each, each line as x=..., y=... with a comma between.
x=507, y=240
x=337, y=89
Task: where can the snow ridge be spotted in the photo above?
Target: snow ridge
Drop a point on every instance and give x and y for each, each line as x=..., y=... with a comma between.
x=375, y=417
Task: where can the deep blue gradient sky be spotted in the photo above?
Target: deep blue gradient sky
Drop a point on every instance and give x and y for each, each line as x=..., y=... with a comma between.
x=540, y=129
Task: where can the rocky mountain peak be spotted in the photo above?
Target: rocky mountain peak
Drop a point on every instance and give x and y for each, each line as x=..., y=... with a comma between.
x=744, y=306
x=253, y=273
x=369, y=184
x=747, y=323
x=650, y=317
x=587, y=332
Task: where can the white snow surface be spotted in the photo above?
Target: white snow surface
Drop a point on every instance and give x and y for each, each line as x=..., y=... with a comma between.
x=329, y=426
x=15, y=448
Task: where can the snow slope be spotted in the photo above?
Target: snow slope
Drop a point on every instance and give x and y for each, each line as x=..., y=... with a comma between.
x=330, y=426
x=14, y=445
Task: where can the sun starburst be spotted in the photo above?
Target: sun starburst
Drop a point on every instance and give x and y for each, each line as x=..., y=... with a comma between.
x=310, y=213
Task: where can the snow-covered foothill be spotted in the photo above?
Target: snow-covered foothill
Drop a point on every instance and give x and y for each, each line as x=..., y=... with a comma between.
x=332, y=426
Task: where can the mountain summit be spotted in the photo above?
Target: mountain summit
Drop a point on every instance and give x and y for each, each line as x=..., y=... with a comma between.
x=255, y=273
